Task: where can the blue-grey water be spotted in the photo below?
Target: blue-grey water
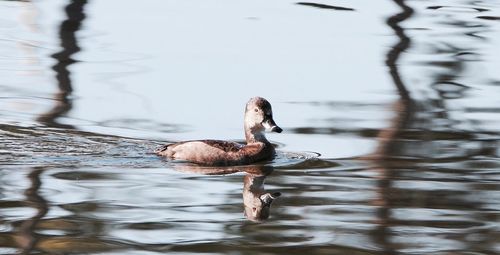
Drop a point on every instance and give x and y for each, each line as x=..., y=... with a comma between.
x=401, y=98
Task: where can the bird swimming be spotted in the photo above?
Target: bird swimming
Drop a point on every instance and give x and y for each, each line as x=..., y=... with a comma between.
x=258, y=118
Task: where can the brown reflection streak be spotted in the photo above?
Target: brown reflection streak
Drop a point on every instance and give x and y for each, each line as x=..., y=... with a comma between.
x=388, y=137
x=69, y=45
x=26, y=238
x=387, y=148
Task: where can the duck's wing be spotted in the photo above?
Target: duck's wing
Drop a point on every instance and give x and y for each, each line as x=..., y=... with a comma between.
x=226, y=146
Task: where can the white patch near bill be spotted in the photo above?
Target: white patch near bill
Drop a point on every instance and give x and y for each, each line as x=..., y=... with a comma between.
x=267, y=126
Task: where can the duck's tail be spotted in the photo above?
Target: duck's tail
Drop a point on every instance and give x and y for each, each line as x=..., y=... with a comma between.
x=161, y=149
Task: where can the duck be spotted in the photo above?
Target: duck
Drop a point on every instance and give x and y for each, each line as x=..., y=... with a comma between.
x=258, y=119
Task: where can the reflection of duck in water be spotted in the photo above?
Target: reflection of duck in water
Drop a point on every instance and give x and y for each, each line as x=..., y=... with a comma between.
x=258, y=118
x=257, y=202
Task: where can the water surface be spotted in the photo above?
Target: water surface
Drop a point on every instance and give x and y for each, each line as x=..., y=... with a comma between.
x=400, y=98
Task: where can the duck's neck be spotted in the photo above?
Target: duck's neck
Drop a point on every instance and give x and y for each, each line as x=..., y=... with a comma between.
x=254, y=184
x=254, y=136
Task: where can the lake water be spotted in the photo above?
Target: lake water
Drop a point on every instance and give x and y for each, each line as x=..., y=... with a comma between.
x=400, y=98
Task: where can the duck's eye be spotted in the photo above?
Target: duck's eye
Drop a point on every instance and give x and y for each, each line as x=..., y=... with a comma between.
x=256, y=110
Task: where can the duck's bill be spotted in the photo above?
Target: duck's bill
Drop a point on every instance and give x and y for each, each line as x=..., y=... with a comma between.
x=271, y=126
x=276, y=129
x=268, y=198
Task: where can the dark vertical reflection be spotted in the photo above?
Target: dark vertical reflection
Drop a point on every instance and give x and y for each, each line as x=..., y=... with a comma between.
x=403, y=44
x=404, y=107
x=27, y=237
x=388, y=146
x=422, y=139
x=69, y=45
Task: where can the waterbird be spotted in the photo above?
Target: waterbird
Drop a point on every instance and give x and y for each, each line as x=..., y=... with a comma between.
x=258, y=119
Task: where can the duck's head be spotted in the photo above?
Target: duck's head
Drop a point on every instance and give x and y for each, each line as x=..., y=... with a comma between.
x=257, y=202
x=258, y=206
x=259, y=116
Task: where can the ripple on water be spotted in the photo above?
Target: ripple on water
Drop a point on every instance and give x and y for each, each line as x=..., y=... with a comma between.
x=288, y=158
x=435, y=190
x=54, y=147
